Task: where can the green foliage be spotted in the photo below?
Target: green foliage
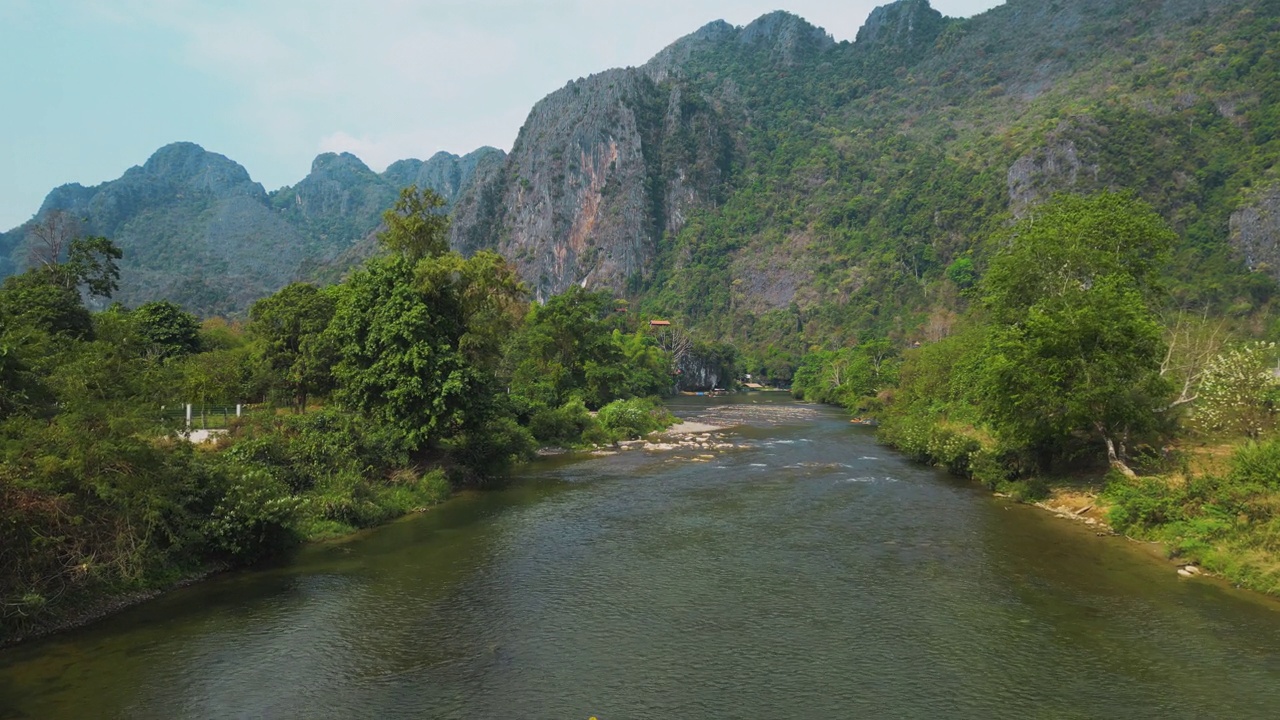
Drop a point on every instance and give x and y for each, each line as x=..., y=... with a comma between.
x=961, y=272
x=487, y=449
x=1257, y=466
x=564, y=425
x=850, y=377
x=633, y=418
x=166, y=329
x=91, y=262
x=1074, y=348
x=568, y=348
x=37, y=301
x=416, y=226
x=291, y=326
x=1143, y=503
x=254, y=518
x=398, y=352
x=1229, y=523
x=1074, y=243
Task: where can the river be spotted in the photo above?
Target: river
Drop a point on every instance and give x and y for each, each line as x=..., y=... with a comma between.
x=805, y=573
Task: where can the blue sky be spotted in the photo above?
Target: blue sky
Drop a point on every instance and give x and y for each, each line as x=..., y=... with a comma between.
x=92, y=87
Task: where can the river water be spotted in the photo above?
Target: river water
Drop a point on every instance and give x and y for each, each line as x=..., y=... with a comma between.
x=805, y=573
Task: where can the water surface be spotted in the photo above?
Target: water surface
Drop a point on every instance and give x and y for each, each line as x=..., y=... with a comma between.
x=808, y=573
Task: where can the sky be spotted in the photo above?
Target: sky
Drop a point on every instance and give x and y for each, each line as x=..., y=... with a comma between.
x=90, y=88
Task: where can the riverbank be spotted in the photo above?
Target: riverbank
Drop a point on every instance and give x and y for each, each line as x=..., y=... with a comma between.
x=806, y=555
x=312, y=507
x=93, y=609
x=1218, y=513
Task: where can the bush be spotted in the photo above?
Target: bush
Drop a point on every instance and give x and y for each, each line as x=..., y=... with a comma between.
x=628, y=419
x=563, y=425
x=1257, y=465
x=254, y=519
x=1143, y=503
x=491, y=448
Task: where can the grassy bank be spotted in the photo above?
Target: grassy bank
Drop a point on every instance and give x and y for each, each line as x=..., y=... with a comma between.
x=1216, y=505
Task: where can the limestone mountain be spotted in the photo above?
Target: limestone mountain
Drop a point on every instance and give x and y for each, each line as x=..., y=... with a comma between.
x=197, y=230
x=780, y=190
x=773, y=187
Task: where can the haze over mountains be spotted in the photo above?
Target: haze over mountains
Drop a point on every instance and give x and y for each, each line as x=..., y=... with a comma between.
x=774, y=186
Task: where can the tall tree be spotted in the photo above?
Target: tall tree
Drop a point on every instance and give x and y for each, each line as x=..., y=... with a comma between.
x=292, y=326
x=166, y=329
x=416, y=226
x=1075, y=348
x=398, y=352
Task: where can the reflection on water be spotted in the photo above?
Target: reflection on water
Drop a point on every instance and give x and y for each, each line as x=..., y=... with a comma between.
x=804, y=573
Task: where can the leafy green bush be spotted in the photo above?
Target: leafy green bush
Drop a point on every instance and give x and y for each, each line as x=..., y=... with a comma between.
x=563, y=425
x=627, y=419
x=489, y=449
x=1257, y=465
x=254, y=519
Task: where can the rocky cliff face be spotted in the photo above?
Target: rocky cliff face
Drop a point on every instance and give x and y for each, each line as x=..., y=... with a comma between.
x=1255, y=232
x=1063, y=163
x=606, y=167
x=445, y=173
x=601, y=170
x=906, y=26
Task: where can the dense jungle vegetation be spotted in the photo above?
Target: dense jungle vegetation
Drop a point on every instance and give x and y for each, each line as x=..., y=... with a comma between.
x=422, y=372
x=868, y=179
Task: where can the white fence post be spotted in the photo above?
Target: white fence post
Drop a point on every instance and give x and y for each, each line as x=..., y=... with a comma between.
x=188, y=417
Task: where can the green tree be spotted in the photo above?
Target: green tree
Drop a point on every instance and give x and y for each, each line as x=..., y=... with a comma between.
x=416, y=226
x=38, y=300
x=1074, y=349
x=292, y=327
x=399, y=361
x=563, y=340
x=166, y=330
x=91, y=262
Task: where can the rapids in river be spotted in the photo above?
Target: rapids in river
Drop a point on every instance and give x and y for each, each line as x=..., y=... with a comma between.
x=805, y=572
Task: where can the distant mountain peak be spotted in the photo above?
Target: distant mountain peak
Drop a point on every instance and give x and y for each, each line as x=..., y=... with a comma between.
x=784, y=28
x=787, y=35
x=714, y=30
x=903, y=24
x=328, y=162
x=189, y=164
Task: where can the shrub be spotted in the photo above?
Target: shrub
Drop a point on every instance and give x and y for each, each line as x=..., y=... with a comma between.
x=254, y=518
x=491, y=448
x=563, y=425
x=1143, y=503
x=1257, y=465
x=627, y=419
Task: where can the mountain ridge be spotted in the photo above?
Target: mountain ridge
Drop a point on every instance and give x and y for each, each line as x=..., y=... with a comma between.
x=777, y=188
x=192, y=222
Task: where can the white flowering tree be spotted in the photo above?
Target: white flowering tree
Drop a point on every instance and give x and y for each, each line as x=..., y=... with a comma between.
x=1238, y=391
